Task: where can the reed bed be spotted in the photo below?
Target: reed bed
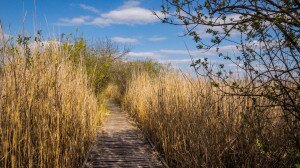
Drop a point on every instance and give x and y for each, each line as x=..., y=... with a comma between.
x=195, y=125
x=48, y=110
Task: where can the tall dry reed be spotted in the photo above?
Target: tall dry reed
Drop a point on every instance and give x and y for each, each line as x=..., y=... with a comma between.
x=48, y=111
x=194, y=125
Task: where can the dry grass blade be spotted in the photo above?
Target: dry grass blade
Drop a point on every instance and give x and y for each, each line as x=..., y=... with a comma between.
x=49, y=111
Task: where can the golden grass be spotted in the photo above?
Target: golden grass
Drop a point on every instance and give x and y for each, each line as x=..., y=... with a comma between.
x=48, y=111
x=112, y=91
x=194, y=125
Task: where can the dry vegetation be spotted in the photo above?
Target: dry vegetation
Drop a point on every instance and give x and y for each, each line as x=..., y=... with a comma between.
x=194, y=125
x=49, y=111
x=51, y=100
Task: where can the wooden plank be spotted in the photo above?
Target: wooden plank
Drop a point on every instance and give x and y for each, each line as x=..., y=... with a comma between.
x=120, y=144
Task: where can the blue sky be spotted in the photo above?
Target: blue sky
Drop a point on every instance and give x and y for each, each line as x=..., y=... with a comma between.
x=127, y=22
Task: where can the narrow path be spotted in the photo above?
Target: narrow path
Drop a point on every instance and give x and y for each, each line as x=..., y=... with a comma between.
x=120, y=144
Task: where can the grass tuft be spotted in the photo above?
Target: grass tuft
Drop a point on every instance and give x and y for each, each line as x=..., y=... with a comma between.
x=49, y=111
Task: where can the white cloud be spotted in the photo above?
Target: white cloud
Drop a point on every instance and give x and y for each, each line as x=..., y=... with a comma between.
x=126, y=16
x=74, y=21
x=89, y=8
x=177, y=52
x=143, y=54
x=225, y=49
x=124, y=40
x=130, y=3
x=185, y=52
x=167, y=56
x=175, y=61
x=212, y=52
x=156, y=38
x=130, y=13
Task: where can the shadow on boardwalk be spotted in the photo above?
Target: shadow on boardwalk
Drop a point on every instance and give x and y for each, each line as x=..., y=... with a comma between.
x=120, y=144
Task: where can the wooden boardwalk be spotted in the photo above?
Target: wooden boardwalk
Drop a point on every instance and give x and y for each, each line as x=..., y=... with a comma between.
x=120, y=144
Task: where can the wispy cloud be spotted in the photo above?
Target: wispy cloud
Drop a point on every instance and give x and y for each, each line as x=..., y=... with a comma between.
x=74, y=21
x=89, y=8
x=175, y=61
x=156, y=38
x=130, y=4
x=167, y=55
x=174, y=56
x=130, y=13
x=126, y=16
x=144, y=54
x=186, y=52
x=212, y=52
x=124, y=40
